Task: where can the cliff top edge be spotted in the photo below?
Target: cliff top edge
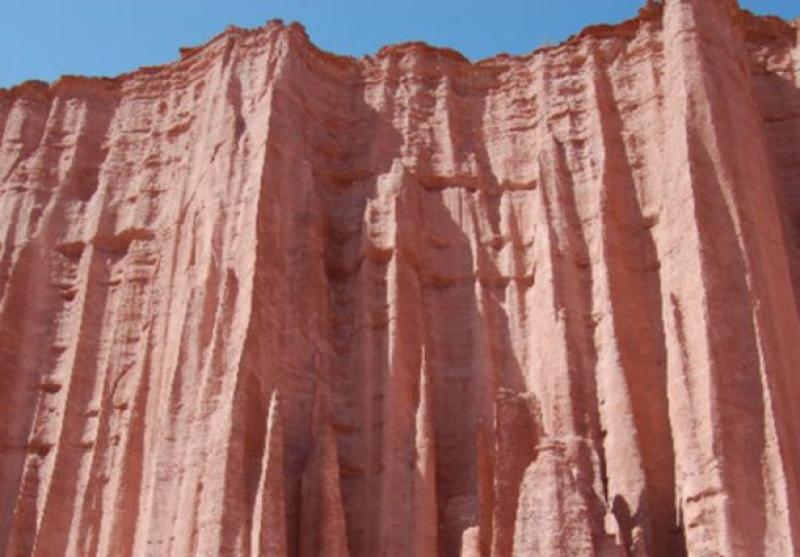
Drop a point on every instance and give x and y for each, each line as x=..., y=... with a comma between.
x=757, y=25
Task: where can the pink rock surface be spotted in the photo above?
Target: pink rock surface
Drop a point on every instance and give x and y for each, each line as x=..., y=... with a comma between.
x=271, y=301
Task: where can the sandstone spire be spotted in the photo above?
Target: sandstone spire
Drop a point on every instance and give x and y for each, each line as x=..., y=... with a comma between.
x=425, y=511
x=552, y=518
x=268, y=536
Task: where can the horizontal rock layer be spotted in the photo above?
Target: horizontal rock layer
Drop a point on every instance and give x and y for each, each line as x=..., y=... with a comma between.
x=271, y=301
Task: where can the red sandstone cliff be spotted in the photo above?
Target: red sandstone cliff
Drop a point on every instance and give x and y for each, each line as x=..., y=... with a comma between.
x=271, y=301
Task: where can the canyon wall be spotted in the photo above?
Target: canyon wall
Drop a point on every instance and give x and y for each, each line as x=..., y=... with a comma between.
x=271, y=301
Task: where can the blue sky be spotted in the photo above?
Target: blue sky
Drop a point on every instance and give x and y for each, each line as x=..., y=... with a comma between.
x=42, y=39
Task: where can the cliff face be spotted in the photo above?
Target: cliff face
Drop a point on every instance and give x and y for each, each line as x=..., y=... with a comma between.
x=270, y=301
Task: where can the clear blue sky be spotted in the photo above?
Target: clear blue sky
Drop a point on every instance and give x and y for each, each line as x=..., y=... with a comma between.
x=42, y=39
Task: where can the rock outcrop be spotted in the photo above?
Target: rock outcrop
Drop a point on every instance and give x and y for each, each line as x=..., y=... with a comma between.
x=267, y=300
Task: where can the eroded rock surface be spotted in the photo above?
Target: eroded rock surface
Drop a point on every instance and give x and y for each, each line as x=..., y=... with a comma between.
x=271, y=301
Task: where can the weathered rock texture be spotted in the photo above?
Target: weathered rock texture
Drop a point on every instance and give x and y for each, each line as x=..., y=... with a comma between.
x=271, y=301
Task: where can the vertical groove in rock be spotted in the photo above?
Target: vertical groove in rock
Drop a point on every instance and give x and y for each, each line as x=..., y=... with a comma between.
x=578, y=426
x=632, y=377
x=541, y=304
x=518, y=434
x=321, y=513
